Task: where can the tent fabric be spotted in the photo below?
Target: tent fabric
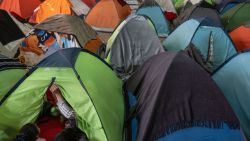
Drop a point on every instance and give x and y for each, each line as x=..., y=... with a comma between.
x=131, y=47
x=236, y=91
x=241, y=36
x=59, y=31
x=198, y=134
x=236, y=16
x=50, y=8
x=196, y=12
x=81, y=84
x=68, y=24
x=210, y=40
x=12, y=33
x=173, y=93
x=34, y=46
x=107, y=14
x=23, y=8
x=79, y=7
x=223, y=6
x=154, y=12
x=9, y=30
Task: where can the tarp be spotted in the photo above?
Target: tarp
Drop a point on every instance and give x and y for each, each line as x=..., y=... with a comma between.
x=59, y=31
x=99, y=106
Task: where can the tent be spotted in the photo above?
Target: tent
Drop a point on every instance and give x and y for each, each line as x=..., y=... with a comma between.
x=241, y=36
x=107, y=14
x=129, y=47
x=227, y=4
x=153, y=11
x=179, y=4
x=196, y=12
x=12, y=32
x=176, y=100
x=211, y=40
x=233, y=78
x=21, y=8
x=236, y=16
x=80, y=74
x=167, y=8
x=59, y=31
x=50, y=8
x=10, y=72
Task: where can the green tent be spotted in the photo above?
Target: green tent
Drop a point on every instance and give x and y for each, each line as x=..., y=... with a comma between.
x=236, y=16
x=87, y=83
x=10, y=72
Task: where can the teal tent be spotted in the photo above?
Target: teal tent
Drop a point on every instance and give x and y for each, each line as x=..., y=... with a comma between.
x=233, y=78
x=211, y=41
x=153, y=11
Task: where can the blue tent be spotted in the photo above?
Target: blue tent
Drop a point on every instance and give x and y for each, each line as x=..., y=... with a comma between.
x=155, y=14
x=233, y=78
x=212, y=41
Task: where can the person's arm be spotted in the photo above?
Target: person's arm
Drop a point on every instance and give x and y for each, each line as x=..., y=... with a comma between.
x=62, y=105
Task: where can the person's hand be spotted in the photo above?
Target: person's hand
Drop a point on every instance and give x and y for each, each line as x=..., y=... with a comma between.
x=56, y=92
x=54, y=89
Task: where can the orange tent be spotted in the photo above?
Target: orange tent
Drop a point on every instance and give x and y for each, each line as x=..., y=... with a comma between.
x=22, y=8
x=50, y=8
x=107, y=14
x=241, y=37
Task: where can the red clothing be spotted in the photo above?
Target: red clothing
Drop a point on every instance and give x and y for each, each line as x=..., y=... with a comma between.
x=170, y=15
x=50, y=127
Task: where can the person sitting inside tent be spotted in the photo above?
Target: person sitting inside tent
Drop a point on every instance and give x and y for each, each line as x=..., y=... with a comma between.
x=71, y=134
x=29, y=132
x=57, y=114
x=63, y=107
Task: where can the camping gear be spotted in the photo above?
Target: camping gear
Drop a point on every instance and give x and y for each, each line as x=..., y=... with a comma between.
x=233, y=79
x=129, y=47
x=236, y=16
x=50, y=8
x=210, y=40
x=196, y=12
x=80, y=76
x=107, y=14
x=21, y=8
x=11, y=34
x=59, y=31
x=153, y=11
x=172, y=93
x=241, y=36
